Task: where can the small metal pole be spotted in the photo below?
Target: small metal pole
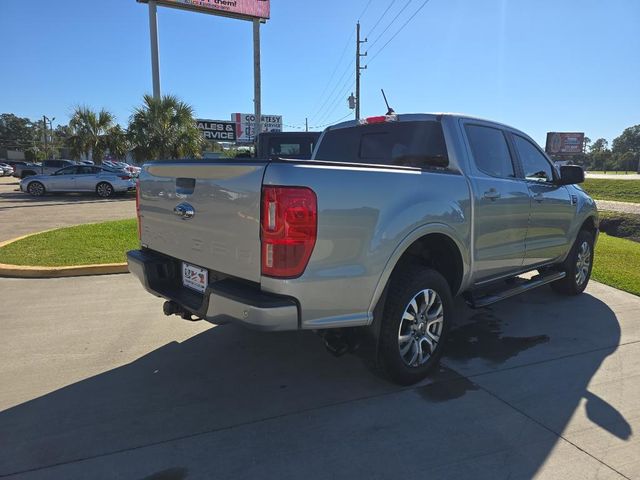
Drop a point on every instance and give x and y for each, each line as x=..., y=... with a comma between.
x=256, y=77
x=153, y=32
x=306, y=124
x=44, y=124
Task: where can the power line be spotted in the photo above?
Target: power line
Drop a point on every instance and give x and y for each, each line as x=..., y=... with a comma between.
x=390, y=23
x=342, y=96
x=381, y=17
x=399, y=30
x=334, y=122
x=333, y=91
x=344, y=50
x=331, y=77
x=365, y=9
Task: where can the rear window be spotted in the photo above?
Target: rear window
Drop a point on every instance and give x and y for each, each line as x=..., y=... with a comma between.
x=290, y=147
x=403, y=143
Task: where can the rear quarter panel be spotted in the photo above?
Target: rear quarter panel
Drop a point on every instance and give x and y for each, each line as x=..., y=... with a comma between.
x=365, y=214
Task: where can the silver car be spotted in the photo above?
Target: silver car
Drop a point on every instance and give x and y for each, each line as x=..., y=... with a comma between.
x=6, y=170
x=80, y=178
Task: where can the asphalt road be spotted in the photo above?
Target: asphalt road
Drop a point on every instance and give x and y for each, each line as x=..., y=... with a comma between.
x=21, y=214
x=97, y=383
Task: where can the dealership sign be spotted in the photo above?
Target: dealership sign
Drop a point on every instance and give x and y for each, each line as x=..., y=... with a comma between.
x=217, y=130
x=242, y=9
x=565, y=143
x=245, y=124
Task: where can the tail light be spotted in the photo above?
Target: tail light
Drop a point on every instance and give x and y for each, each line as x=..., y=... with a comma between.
x=125, y=177
x=138, y=210
x=289, y=224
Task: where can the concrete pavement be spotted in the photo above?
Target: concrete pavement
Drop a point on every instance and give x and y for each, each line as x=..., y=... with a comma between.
x=96, y=383
x=613, y=176
x=624, y=207
x=21, y=214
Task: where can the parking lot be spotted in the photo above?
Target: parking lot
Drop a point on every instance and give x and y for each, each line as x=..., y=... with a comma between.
x=97, y=383
x=23, y=214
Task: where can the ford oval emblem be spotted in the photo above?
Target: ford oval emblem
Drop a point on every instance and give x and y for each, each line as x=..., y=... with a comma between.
x=184, y=210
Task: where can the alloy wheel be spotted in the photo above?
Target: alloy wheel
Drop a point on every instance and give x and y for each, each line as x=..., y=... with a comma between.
x=421, y=328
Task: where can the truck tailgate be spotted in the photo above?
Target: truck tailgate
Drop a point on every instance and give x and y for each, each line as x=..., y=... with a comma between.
x=224, y=232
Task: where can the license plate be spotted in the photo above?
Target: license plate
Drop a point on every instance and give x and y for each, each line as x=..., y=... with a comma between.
x=196, y=278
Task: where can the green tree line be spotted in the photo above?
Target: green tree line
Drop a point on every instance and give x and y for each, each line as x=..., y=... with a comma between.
x=622, y=155
x=163, y=128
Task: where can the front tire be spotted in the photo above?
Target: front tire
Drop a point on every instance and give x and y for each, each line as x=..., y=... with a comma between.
x=104, y=190
x=415, y=323
x=36, y=189
x=577, y=266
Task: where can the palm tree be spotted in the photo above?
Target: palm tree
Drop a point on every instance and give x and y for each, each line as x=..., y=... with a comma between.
x=164, y=128
x=90, y=132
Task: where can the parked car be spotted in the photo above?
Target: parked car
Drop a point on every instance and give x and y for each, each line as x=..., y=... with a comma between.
x=45, y=168
x=79, y=178
x=6, y=170
x=370, y=239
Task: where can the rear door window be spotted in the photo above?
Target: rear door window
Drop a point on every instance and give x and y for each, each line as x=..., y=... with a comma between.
x=490, y=151
x=412, y=144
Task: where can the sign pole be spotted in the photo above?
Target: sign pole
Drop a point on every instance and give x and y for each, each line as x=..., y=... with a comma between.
x=256, y=77
x=153, y=32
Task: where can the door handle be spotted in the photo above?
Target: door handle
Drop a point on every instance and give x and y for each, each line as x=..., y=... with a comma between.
x=491, y=194
x=538, y=197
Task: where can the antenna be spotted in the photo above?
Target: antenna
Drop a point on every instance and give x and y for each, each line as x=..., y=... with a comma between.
x=390, y=110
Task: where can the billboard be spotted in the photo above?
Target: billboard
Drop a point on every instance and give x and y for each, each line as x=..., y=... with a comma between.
x=246, y=122
x=217, y=130
x=564, y=143
x=242, y=9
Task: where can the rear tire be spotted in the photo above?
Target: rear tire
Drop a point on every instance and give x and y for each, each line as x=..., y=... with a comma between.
x=104, y=190
x=36, y=189
x=415, y=323
x=577, y=266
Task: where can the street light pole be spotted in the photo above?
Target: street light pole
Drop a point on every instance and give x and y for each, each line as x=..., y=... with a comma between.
x=153, y=33
x=44, y=123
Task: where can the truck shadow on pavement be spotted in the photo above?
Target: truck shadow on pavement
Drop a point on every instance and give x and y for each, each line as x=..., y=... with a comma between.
x=228, y=378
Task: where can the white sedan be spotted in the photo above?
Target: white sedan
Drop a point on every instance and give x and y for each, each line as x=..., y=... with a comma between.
x=80, y=178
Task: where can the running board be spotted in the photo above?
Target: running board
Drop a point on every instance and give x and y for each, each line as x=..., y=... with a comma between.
x=530, y=284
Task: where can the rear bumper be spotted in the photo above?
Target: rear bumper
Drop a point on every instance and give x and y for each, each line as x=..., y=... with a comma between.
x=226, y=300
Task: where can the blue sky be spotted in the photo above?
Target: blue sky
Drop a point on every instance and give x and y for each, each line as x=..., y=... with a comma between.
x=539, y=65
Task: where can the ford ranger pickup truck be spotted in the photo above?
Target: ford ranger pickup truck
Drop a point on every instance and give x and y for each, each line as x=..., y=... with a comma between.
x=391, y=218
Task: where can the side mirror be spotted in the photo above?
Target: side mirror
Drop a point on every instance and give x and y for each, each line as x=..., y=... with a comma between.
x=570, y=175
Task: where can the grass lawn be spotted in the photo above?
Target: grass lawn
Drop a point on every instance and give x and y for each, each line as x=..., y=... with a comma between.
x=82, y=245
x=619, y=190
x=617, y=263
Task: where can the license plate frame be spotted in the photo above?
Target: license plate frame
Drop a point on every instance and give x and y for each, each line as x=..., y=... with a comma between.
x=195, y=277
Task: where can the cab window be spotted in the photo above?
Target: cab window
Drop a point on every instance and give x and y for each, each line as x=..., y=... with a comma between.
x=490, y=151
x=536, y=166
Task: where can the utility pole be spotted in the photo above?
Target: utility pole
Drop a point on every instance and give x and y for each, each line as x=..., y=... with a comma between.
x=257, y=77
x=153, y=33
x=358, y=68
x=44, y=124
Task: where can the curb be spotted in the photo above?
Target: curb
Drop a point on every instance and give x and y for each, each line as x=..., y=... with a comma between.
x=27, y=271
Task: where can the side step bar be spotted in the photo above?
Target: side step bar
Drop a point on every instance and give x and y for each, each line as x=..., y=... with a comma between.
x=530, y=284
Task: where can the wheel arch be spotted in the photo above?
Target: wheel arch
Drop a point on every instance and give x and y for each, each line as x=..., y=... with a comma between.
x=434, y=245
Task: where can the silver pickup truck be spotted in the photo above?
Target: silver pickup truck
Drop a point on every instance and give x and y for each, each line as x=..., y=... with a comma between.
x=371, y=238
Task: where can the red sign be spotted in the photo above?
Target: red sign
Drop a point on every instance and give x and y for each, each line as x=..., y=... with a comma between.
x=244, y=9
